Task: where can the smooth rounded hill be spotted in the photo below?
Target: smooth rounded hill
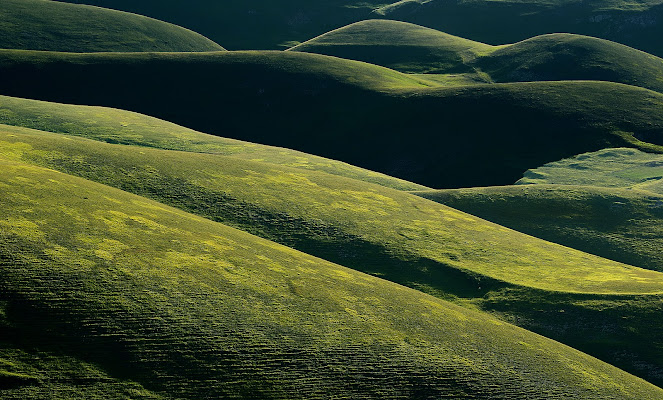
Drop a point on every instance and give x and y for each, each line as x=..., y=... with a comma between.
x=398, y=45
x=637, y=24
x=218, y=313
x=573, y=57
x=56, y=26
x=359, y=113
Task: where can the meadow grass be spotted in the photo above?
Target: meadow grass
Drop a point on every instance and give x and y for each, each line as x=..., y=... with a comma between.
x=359, y=113
x=57, y=26
x=386, y=233
x=125, y=127
x=553, y=57
x=615, y=223
x=190, y=308
x=268, y=25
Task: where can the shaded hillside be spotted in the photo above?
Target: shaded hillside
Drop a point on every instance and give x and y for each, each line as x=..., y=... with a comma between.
x=220, y=313
x=125, y=127
x=55, y=26
x=359, y=113
x=415, y=49
x=622, y=225
x=265, y=24
x=573, y=57
x=389, y=234
x=398, y=45
x=636, y=24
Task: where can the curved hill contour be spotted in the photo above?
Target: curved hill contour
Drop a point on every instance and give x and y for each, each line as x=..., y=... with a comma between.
x=219, y=313
x=398, y=45
x=55, y=26
x=397, y=124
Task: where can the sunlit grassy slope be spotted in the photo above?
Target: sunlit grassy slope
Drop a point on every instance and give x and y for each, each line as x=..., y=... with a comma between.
x=398, y=45
x=124, y=127
x=387, y=233
x=619, y=224
x=398, y=222
x=619, y=167
x=51, y=25
x=265, y=24
x=359, y=113
x=190, y=308
x=415, y=49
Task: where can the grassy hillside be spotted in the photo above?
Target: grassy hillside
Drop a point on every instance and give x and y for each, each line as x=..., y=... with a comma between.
x=55, y=26
x=359, y=113
x=636, y=24
x=619, y=224
x=265, y=24
x=124, y=127
x=220, y=313
x=620, y=167
x=414, y=49
x=398, y=45
x=573, y=57
x=390, y=234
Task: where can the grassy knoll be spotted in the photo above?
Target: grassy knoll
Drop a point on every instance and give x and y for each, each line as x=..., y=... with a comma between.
x=554, y=57
x=190, y=308
x=359, y=113
x=387, y=233
x=398, y=45
x=637, y=23
x=573, y=57
x=615, y=168
x=125, y=127
x=55, y=26
x=620, y=224
x=264, y=24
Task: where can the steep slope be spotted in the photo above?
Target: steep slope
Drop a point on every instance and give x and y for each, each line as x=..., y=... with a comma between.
x=124, y=127
x=618, y=224
x=390, y=234
x=55, y=26
x=218, y=313
x=359, y=113
x=398, y=45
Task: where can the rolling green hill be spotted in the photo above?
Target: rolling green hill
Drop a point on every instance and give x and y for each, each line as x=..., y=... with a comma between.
x=218, y=313
x=398, y=45
x=264, y=24
x=124, y=127
x=55, y=26
x=387, y=233
x=359, y=113
x=414, y=49
x=573, y=57
x=615, y=223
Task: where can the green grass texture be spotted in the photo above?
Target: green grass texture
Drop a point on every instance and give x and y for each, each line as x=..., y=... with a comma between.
x=56, y=26
x=264, y=24
x=414, y=49
x=124, y=127
x=390, y=234
x=369, y=116
x=614, y=168
x=616, y=223
x=127, y=298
